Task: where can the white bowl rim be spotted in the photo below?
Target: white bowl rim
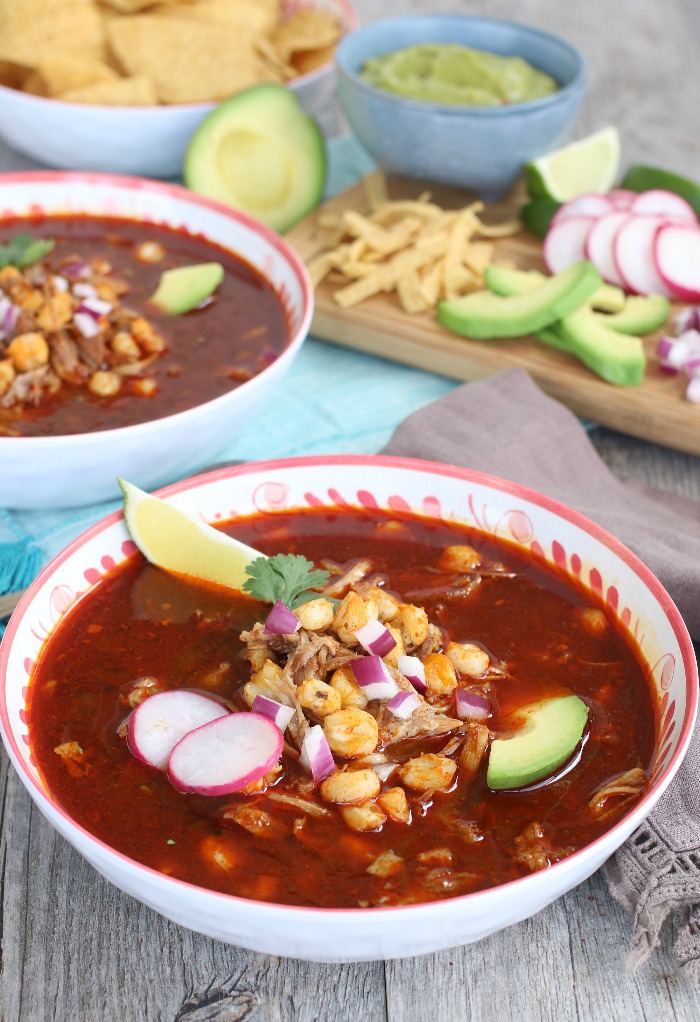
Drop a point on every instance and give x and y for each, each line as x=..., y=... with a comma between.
x=350, y=23
x=81, y=178
x=457, y=109
x=272, y=909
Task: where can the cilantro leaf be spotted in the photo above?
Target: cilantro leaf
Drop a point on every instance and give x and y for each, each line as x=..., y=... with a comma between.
x=23, y=250
x=285, y=577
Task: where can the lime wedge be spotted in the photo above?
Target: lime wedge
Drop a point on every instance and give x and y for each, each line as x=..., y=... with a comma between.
x=171, y=540
x=589, y=165
x=640, y=178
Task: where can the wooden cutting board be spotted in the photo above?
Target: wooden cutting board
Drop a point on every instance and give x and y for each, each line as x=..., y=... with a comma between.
x=656, y=411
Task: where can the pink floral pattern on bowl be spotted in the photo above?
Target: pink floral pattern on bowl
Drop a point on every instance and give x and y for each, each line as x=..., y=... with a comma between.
x=563, y=538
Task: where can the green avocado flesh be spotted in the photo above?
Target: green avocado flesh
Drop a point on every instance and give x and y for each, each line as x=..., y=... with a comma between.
x=183, y=288
x=260, y=153
x=484, y=314
x=587, y=335
x=548, y=733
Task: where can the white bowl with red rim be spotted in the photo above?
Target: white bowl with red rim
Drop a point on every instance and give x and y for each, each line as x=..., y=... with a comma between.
x=564, y=538
x=82, y=468
x=148, y=141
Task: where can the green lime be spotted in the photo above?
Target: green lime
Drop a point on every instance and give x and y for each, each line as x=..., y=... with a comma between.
x=589, y=165
x=643, y=179
x=537, y=214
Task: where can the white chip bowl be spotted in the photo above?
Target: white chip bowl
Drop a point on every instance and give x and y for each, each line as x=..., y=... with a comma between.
x=572, y=545
x=149, y=140
x=79, y=469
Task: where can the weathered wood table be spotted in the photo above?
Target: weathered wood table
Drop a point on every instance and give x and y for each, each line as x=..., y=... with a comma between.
x=75, y=949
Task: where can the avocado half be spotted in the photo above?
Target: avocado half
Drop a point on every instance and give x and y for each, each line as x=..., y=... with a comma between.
x=260, y=153
x=548, y=733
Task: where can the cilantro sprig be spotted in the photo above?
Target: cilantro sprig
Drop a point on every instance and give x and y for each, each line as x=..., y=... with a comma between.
x=285, y=577
x=23, y=250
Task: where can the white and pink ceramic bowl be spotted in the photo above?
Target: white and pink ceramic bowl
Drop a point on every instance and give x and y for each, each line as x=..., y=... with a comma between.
x=565, y=539
x=149, y=141
x=66, y=471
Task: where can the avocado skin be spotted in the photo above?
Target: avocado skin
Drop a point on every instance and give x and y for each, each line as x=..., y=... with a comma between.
x=549, y=733
x=616, y=358
x=484, y=314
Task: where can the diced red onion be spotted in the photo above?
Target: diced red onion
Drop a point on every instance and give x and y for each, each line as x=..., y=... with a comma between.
x=412, y=668
x=692, y=365
x=403, y=704
x=664, y=346
x=281, y=620
x=376, y=638
x=316, y=756
x=470, y=706
x=373, y=677
x=9, y=314
x=75, y=270
x=60, y=283
x=278, y=713
x=95, y=307
x=687, y=319
x=269, y=356
x=692, y=391
x=86, y=324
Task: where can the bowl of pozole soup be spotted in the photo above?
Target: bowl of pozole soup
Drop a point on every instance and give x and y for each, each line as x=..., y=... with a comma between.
x=477, y=698
x=140, y=326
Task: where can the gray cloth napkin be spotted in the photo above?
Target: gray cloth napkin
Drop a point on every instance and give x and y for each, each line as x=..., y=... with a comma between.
x=506, y=426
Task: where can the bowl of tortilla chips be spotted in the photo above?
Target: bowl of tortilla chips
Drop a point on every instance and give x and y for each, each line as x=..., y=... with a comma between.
x=120, y=85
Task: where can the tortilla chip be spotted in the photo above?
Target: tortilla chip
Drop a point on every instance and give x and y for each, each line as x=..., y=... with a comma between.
x=133, y=91
x=134, y=6
x=12, y=75
x=189, y=63
x=305, y=31
x=55, y=75
x=308, y=60
x=251, y=18
x=35, y=30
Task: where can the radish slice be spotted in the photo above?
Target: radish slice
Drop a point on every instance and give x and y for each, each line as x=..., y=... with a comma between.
x=565, y=243
x=659, y=202
x=633, y=251
x=226, y=754
x=677, y=257
x=622, y=198
x=599, y=245
x=158, y=724
x=588, y=204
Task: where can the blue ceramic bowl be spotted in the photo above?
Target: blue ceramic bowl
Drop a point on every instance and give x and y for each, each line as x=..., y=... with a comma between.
x=481, y=149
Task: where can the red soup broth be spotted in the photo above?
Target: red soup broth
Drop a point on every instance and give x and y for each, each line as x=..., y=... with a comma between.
x=208, y=351
x=141, y=622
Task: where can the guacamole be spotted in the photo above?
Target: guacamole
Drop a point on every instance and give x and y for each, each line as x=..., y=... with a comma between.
x=459, y=75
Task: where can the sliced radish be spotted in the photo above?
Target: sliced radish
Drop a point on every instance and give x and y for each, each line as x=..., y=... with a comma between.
x=677, y=257
x=226, y=754
x=565, y=243
x=158, y=724
x=633, y=252
x=588, y=204
x=622, y=198
x=599, y=245
x=659, y=202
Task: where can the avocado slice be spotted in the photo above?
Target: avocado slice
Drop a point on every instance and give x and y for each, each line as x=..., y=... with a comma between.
x=484, y=314
x=183, y=288
x=641, y=314
x=504, y=280
x=260, y=153
x=616, y=358
x=548, y=732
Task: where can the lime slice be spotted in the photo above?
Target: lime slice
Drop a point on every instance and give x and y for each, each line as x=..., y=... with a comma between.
x=171, y=540
x=589, y=165
x=645, y=179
